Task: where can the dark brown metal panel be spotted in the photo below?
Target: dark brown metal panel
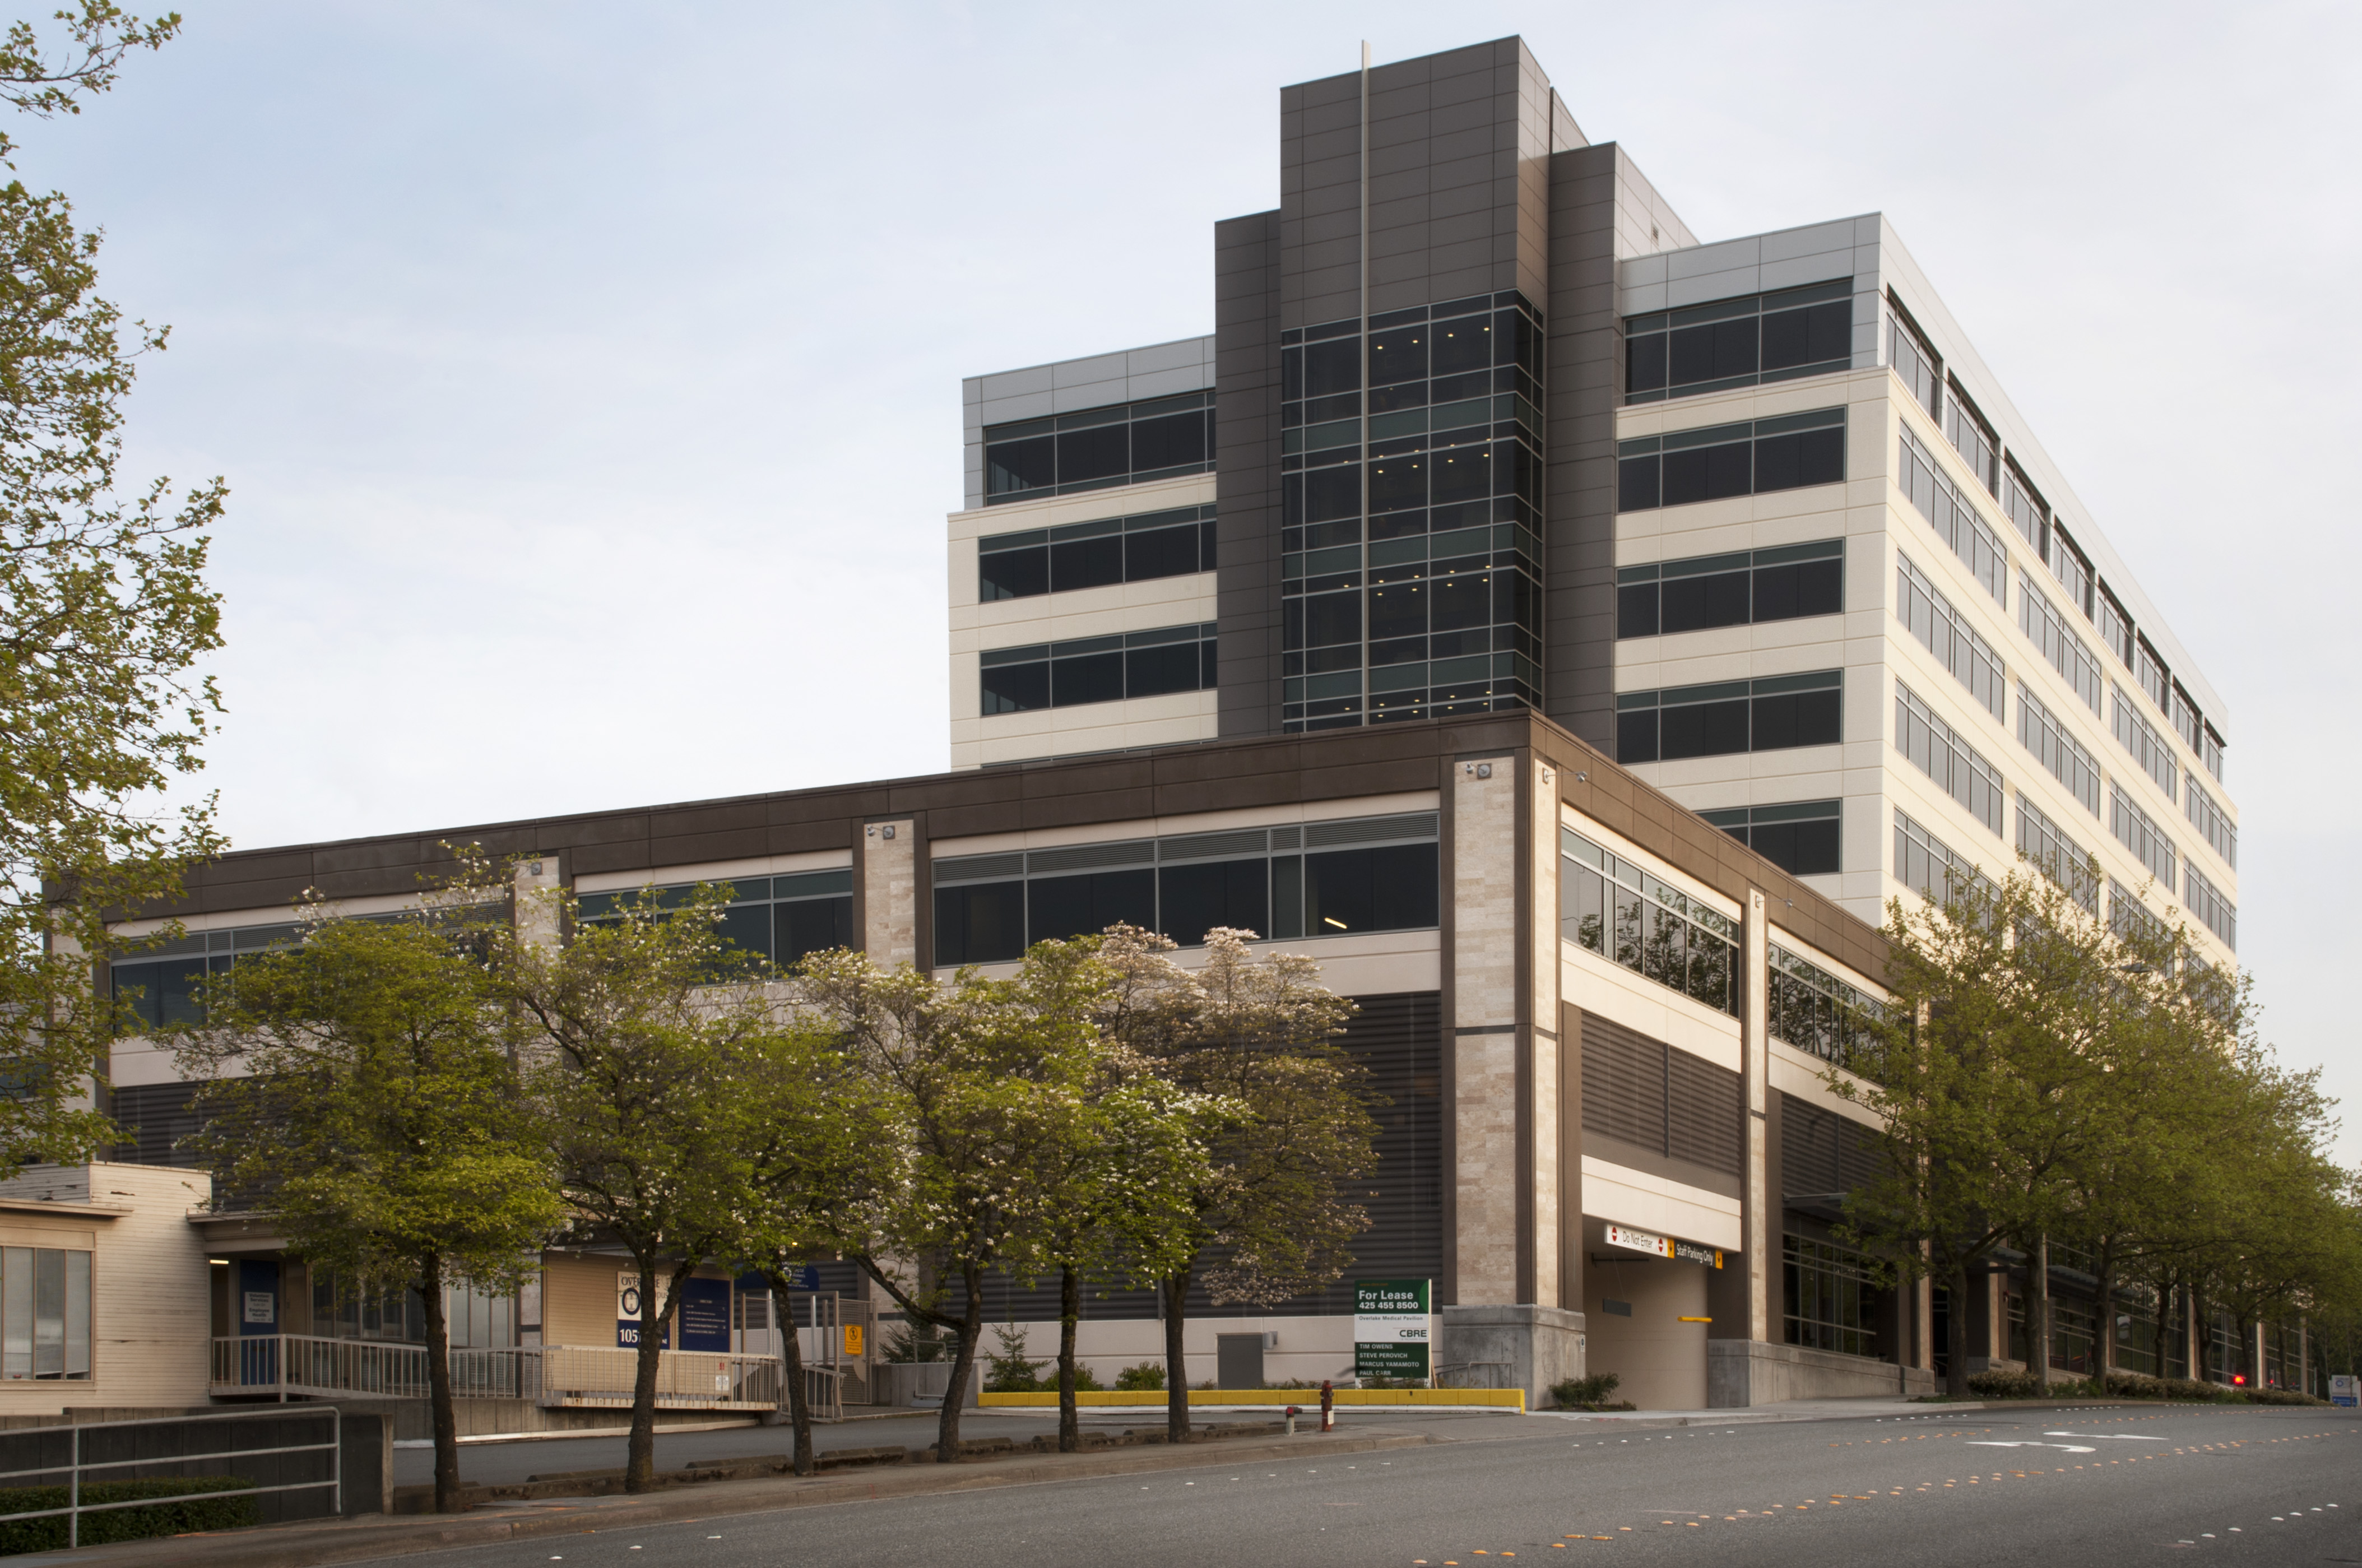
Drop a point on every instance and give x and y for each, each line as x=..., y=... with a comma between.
x=1246, y=473
x=1570, y=1156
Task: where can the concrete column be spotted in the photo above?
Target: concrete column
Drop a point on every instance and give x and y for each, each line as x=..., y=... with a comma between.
x=886, y=875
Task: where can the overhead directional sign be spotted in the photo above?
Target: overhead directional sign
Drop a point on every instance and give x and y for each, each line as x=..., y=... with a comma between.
x=1663, y=1246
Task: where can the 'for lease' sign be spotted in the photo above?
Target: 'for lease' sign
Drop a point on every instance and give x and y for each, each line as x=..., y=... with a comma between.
x=1392, y=1328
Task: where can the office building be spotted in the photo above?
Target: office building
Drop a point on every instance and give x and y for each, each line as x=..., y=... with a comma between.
x=1567, y=632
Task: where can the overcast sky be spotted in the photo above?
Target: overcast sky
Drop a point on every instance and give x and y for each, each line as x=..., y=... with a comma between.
x=587, y=376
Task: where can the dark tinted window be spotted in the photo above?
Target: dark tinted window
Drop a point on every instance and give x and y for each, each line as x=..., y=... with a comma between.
x=1160, y=552
x=1462, y=601
x=1399, y=356
x=1796, y=718
x=1807, y=457
x=1062, y=907
x=1704, y=729
x=1714, y=352
x=1636, y=736
x=1333, y=367
x=1151, y=672
x=1808, y=336
x=1016, y=688
x=1010, y=467
x=1636, y=610
x=981, y=923
x=1708, y=473
x=1085, y=563
x=1802, y=849
x=1398, y=612
x=1013, y=574
x=1768, y=455
x=1637, y=485
x=1695, y=603
x=1332, y=618
x=1397, y=483
x=1392, y=888
x=1174, y=441
x=1644, y=363
x=1800, y=588
x=1091, y=678
x=1463, y=344
x=1198, y=896
x=1333, y=492
x=812, y=925
x=1102, y=451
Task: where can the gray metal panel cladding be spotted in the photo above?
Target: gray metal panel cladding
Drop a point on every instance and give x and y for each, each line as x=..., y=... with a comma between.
x=1823, y=1152
x=1246, y=473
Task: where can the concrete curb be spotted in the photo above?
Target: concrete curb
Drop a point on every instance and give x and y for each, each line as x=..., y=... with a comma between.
x=382, y=1536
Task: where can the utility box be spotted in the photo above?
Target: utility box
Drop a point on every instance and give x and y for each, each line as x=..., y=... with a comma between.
x=1239, y=1360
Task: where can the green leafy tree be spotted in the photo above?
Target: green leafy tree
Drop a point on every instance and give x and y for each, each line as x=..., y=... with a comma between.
x=1266, y=1211
x=360, y=1084
x=105, y=614
x=631, y=1035
x=1989, y=1075
x=985, y=1079
x=820, y=1160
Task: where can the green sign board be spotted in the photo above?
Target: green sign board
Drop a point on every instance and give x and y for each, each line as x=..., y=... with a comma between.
x=1391, y=1329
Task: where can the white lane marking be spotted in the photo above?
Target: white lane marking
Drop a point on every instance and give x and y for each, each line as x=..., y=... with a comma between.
x=2070, y=1447
x=2112, y=1437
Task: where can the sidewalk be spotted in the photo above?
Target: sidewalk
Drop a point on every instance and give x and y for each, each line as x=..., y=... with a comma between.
x=380, y=1535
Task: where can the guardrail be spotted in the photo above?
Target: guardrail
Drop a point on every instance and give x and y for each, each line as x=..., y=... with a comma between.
x=78, y=1465
x=279, y=1365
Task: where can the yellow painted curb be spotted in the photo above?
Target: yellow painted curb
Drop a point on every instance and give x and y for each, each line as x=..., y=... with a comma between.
x=1145, y=1399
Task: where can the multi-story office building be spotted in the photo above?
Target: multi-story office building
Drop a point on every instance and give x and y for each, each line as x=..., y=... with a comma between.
x=1483, y=425
x=1566, y=633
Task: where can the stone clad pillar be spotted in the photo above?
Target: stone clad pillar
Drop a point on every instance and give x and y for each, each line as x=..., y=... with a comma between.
x=886, y=883
x=1744, y=1297
x=1503, y=1307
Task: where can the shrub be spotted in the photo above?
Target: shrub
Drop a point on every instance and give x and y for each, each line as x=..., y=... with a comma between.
x=1591, y=1393
x=2281, y=1396
x=1380, y=1380
x=2001, y=1383
x=1148, y=1375
x=198, y=1512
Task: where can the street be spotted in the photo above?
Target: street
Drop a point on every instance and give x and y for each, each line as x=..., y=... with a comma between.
x=2114, y=1484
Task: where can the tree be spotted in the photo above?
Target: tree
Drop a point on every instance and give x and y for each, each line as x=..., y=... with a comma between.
x=1989, y=1074
x=629, y=1034
x=1267, y=1214
x=984, y=1078
x=104, y=615
x=376, y=1111
x=818, y=1159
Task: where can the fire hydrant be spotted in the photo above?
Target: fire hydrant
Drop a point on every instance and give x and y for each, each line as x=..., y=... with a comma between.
x=1328, y=1406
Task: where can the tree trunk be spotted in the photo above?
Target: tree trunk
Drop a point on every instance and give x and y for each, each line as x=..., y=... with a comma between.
x=2103, y=1354
x=1956, y=1334
x=1176, y=1359
x=640, y=1452
x=2038, y=1326
x=971, y=1328
x=1070, y=1313
x=438, y=1389
x=791, y=1357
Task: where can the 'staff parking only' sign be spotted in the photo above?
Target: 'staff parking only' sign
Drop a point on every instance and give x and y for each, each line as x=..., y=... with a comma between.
x=1391, y=1329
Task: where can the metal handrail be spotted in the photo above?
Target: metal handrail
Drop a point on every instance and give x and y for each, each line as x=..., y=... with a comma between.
x=75, y=1507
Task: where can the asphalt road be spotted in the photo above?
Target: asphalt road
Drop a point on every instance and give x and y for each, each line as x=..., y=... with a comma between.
x=2277, y=1487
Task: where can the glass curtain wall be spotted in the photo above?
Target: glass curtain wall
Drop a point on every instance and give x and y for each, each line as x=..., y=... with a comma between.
x=1412, y=514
